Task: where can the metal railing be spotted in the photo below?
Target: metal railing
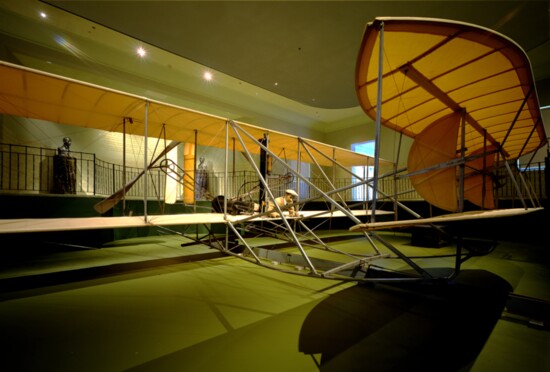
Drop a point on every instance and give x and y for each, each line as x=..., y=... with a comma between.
x=532, y=178
x=31, y=169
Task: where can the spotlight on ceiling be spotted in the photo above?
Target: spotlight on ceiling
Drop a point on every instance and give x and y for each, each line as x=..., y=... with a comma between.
x=207, y=76
x=141, y=52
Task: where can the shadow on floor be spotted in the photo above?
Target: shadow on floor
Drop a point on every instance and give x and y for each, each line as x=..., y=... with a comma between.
x=413, y=327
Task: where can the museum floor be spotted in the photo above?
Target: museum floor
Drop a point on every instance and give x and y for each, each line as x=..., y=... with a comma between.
x=148, y=304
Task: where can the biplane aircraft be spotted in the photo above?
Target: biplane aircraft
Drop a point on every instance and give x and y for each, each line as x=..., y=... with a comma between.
x=465, y=94
x=34, y=94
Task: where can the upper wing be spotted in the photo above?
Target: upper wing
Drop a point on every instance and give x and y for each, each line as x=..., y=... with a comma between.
x=433, y=67
x=30, y=93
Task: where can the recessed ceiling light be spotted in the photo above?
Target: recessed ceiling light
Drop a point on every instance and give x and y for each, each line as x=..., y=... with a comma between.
x=207, y=76
x=43, y=15
x=141, y=52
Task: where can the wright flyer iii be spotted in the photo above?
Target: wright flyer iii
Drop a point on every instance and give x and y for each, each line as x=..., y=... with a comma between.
x=464, y=94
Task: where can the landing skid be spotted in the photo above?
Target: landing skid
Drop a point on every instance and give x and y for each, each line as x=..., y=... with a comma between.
x=308, y=254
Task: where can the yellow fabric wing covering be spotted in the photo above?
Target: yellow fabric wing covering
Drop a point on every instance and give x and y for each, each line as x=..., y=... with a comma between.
x=39, y=95
x=478, y=181
x=435, y=145
x=432, y=68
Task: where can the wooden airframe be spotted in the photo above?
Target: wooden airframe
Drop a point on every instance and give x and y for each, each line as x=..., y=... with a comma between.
x=34, y=94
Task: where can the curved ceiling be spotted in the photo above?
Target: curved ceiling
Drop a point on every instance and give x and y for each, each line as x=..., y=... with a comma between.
x=303, y=50
x=285, y=65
